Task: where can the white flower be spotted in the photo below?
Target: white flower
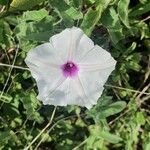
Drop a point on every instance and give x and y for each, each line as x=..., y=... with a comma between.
x=69, y=69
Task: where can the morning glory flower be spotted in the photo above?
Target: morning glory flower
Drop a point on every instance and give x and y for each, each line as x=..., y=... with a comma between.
x=70, y=69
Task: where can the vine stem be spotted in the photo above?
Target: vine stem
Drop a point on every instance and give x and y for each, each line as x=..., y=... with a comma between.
x=43, y=130
x=126, y=89
x=9, y=74
x=52, y=127
x=81, y=144
x=16, y=67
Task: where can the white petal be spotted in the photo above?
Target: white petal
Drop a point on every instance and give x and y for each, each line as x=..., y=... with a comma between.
x=66, y=42
x=85, y=44
x=49, y=89
x=95, y=68
x=44, y=53
x=92, y=83
x=71, y=44
x=44, y=65
x=42, y=89
x=97, y=59
x=44, y=61
x=58, y=97
x=70, y=92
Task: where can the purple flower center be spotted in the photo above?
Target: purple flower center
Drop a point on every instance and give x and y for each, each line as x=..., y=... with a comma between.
x=69, y=69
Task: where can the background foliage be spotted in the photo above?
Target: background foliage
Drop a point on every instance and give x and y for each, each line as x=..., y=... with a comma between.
x=121, y=27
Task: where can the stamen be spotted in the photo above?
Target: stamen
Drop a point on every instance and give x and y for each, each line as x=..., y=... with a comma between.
x=69, y=69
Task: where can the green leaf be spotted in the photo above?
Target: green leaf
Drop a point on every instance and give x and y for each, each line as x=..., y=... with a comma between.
x=143, y=1
x=90, y=1
x=6, y=99
x=39, y=37
x=112, y=109
x=110, y=137
x=93, y=15
x=29, y=33
x=147, y=146
x=106, y=108
x=21, y=29
x=78, y=3
x=74, y=13
x=5, y=34
x=143, y=29
x=140, y=118
x=59, y=5
x=30, y=102
x=130, y=49
x=5, y=136
x=35, y=15
x=10, y=110
x=132, y=61
x=111, y=21
x=133, y=65
x=40, y=31
x=147, y=44
x=106, y=111
x=123, y=11
x=104, y=101
x=98, y=135
x=4, y=2
x=24, y=4
x=140, y=9
x=90, y=20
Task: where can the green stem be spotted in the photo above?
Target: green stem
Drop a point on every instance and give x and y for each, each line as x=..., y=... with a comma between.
x=34, y=140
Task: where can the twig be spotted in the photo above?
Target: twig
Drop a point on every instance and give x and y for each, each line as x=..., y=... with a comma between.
x=2, y=9
x=143, y=91
x=43, y=130
x=16, y=67
x=126, y=89
x=110, y=123
x=72, y=116
x=12, y=66
x=146, y=18
x=82, y=143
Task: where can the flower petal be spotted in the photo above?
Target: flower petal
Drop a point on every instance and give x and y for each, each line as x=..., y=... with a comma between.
x=66, y=42
x=93, y=83
x=71, y=44
x=58, y=97
x=97, y=59
x=95, y=65
x=49, y=89
x=95, y=68
x=44, y=64
x=70, y=92
x=85, y=44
